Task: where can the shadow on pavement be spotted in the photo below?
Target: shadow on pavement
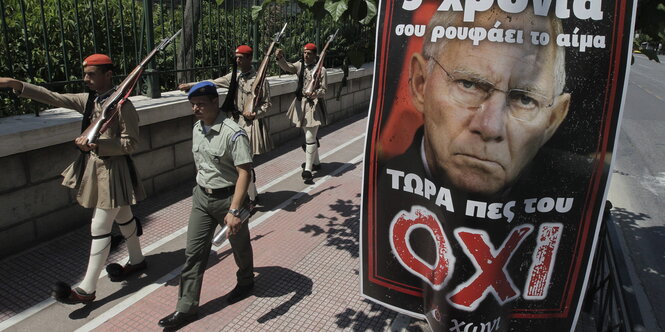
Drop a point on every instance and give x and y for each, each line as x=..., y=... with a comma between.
x=296, y=143
x=271, y=281
x=341, y=234
x=375, y=320
x=304, y=199
x=327, y=168
x=629, y=222
x=269, y=199
x=155, y=270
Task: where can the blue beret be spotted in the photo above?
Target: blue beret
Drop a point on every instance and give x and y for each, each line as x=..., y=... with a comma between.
x=202, y=89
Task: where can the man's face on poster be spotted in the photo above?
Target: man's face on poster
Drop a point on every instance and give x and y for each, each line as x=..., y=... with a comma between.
x=488, y=108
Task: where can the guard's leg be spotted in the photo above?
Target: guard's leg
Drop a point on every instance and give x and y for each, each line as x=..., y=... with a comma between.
x=129, y=227
x=100, y=229
x=310, y=151
x=316, y=163
x=130, y=230
x=102, y=221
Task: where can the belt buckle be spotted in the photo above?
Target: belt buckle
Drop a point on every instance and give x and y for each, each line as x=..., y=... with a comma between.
x=208, y=190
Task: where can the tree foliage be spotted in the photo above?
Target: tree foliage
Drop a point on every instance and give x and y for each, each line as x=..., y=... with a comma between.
x=650, y=27
x=46, y=44
x=356, y=20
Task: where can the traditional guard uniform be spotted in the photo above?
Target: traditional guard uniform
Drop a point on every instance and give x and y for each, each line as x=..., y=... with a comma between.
x=217, y=152
x=307, y=112
x=105, y=179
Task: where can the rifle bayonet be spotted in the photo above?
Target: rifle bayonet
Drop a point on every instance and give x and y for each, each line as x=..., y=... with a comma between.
x=166, y=41
x=279, y=35
x=332, y=37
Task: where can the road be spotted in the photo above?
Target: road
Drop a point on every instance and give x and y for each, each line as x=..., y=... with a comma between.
x=637, y=188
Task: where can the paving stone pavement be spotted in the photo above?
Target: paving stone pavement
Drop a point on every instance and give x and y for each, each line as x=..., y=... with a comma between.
x=305, y=241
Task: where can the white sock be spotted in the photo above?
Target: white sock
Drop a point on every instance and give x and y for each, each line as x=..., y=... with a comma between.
x=102, y=220
x=129, y=232
x=316, y=160
x=311, y=150
x=99, y=251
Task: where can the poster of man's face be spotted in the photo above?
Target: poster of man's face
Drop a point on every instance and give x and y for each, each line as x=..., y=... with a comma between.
x=488, y=108
x=491, y=129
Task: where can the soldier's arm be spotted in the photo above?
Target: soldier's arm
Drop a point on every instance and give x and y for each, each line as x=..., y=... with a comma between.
x=223, y=82
x=220, y=82
x=75, y=101
x=128, y=138
x=321, y=91
x=10, y=83
x=288, y=67
x=242, y=160
x=244, y=175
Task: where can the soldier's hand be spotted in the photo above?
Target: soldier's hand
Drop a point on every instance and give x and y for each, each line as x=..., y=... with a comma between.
x=234, y=224
x=82, y=143
x=184, y=86
x=8, y=82
x=249, y=115
x=279, y=54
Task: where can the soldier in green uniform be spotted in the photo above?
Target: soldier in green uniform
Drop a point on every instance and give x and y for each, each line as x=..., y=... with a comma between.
x=223, y=159
x=252, y=122
x=104, y=176
x=308, y=109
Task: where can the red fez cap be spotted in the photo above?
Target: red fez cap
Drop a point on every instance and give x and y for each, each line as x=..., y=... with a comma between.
x=310, y=47
x=97, y=59
x=244, y=49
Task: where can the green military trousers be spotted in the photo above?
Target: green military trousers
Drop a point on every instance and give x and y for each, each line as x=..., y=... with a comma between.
x=207, y=212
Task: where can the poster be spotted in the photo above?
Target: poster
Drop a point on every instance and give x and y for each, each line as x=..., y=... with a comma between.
x=489, y=144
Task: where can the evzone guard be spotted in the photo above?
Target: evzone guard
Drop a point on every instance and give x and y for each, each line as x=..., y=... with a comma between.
x=308, y=109
x=104, y=176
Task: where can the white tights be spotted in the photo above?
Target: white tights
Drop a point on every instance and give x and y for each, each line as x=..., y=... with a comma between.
x=102, y=222
x=311, y=147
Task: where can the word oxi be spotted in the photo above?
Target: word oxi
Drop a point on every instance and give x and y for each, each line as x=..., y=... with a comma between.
x=491, y=277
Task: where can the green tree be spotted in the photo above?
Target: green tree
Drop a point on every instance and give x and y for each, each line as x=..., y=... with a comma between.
x=650, y=26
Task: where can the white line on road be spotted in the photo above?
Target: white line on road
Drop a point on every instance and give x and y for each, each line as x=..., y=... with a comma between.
x=295, y=171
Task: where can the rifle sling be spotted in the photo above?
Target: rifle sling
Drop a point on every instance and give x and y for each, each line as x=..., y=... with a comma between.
x=229, y=104
x=301, y=80
x=87, y=113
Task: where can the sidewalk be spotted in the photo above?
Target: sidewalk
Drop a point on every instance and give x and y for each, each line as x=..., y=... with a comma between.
x=305, y=240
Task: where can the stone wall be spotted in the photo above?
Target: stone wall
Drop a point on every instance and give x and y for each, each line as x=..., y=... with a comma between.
x=35, y=207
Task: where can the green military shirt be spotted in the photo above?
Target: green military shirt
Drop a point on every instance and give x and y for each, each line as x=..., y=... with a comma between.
x=219, y=151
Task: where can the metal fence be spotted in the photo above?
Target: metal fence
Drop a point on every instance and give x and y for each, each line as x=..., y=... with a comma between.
x=45, y=41
x=610, y=298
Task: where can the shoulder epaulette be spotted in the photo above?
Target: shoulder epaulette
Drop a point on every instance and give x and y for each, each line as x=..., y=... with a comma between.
x=238, y=134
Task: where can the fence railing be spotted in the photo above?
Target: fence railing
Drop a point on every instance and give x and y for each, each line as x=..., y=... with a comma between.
x=45, y=41
x=610, y=298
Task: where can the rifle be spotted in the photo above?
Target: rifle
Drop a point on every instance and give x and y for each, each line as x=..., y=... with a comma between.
x=261, y=75
x=317, y=76
x=114, y=102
